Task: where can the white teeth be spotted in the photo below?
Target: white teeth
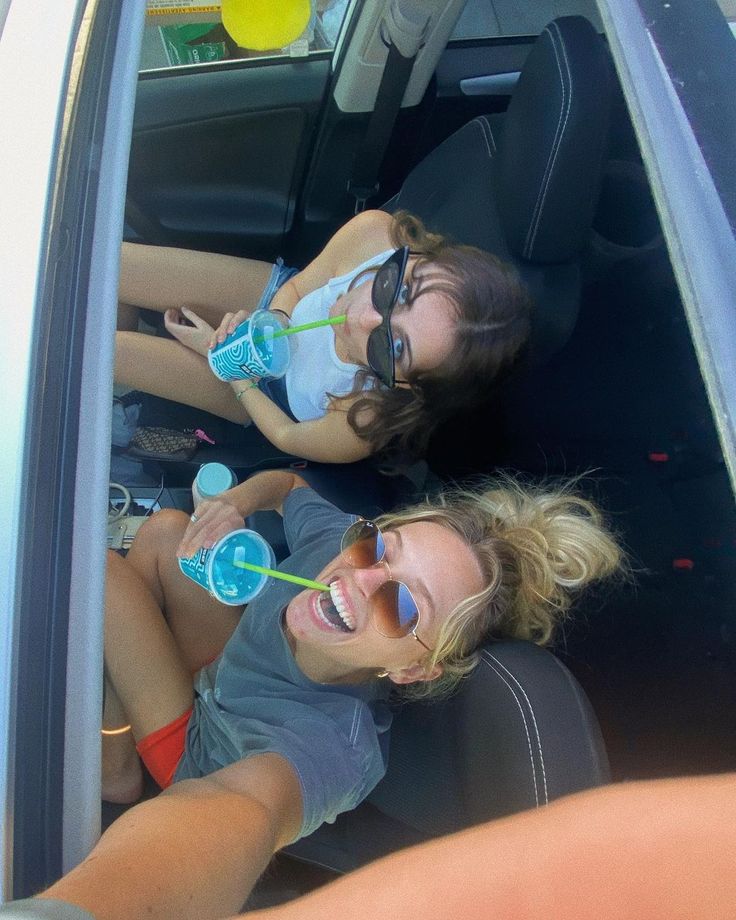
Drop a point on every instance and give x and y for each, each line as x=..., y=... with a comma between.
x=339, y=601
x=323, y=617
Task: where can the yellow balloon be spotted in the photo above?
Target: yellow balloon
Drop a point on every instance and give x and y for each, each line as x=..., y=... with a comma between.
x=265, y=24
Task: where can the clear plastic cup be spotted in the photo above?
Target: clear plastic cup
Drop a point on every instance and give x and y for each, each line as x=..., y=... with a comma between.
x=251, y=351
x=214, y=571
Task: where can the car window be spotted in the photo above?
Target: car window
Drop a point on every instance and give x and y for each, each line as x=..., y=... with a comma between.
x=508, y=18
x=728, y=8
x=181, y=33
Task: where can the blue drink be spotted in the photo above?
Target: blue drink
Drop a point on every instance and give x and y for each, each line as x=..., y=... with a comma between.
x=215, y=571
x=251, y=351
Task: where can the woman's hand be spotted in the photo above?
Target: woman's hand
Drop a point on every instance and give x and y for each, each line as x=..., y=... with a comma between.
x=230, y=322
x=213, y=520
x=189, y=329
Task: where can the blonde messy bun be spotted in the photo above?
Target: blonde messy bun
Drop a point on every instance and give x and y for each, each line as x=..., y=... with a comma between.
x=538, y=547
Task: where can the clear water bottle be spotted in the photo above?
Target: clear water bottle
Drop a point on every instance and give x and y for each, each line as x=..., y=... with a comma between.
x=211, y=480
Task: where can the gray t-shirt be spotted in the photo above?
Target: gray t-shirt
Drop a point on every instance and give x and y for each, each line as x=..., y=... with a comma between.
x=254, y=699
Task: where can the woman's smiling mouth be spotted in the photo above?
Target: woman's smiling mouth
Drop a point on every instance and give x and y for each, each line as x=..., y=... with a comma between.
x=332, y=609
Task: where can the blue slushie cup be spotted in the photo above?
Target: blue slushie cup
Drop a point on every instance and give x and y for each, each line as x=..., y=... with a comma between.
x=251, y=351
x=213, y=569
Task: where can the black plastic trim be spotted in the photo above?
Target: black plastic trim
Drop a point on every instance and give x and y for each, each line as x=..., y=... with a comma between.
x=165, y=73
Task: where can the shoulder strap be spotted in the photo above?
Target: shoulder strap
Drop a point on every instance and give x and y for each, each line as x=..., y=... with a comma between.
x=402, y=32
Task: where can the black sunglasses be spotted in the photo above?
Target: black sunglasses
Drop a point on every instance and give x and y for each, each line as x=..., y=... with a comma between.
x=385, y=293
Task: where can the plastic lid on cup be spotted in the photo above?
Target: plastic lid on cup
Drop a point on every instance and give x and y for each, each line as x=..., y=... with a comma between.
x=214, y=478
x=230, y=584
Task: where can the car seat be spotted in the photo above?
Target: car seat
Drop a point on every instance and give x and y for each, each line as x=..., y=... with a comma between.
x=519, y=733
x=524, y=184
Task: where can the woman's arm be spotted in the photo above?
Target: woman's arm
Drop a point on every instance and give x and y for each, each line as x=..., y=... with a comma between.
x=363, y=236
x=195, y=851
x=329, y=439
x=658, y=850
x=219, y=516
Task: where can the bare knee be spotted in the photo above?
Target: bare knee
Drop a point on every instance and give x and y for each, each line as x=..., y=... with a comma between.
x=161, y=531
x=114, y=560
x=153, y=550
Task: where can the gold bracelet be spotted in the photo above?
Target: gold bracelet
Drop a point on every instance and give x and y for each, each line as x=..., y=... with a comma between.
x=116, y=731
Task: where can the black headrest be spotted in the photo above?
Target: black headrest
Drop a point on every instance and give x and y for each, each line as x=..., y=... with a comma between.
x=453, y=189
x=551, y=150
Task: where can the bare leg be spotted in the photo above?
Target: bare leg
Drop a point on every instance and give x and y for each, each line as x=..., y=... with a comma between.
x=148, y=684
x=122, y=775
x=160, y=626
x=200, y=625
x=168, y=369
x=212, y=284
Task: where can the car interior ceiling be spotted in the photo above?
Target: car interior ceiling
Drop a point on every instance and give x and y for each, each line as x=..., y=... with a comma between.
x=622, y=403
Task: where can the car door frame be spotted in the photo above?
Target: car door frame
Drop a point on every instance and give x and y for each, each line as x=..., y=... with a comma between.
x=69, y=186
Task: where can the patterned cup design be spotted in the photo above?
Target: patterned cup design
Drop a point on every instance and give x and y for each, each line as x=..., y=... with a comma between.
x=251, y=351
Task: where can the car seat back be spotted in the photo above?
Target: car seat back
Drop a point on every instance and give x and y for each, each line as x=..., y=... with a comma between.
x=518, y=734
x=524, y=185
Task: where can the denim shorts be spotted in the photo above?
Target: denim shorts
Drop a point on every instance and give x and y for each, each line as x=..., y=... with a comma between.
x=280, y=274
x=276, y=389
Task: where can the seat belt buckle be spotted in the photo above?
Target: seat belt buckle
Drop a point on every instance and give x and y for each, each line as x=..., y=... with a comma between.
x=362, y=193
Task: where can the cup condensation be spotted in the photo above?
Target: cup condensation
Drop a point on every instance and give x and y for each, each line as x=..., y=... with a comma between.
x=251, y=351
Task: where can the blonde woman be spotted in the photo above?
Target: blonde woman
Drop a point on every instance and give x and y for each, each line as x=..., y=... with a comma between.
x=287, y=726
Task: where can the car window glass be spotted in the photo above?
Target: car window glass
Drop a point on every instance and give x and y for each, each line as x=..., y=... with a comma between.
x=507, y=18
x=180, y=33
x=728, y=8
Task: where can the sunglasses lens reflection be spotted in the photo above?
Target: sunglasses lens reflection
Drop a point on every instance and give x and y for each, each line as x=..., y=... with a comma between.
x=395, y=612
x=384, y=287
x=380, y=355
x=362, y=545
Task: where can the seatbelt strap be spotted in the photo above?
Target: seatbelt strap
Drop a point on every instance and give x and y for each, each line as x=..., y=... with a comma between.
x=402, y=31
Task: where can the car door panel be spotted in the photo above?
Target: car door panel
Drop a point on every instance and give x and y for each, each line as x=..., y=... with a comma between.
x=474, y=78
x=217, y=158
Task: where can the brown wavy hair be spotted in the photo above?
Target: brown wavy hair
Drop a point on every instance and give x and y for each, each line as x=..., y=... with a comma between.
x=492, y=307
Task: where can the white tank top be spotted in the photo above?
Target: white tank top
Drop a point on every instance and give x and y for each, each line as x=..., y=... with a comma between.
x=315, y=369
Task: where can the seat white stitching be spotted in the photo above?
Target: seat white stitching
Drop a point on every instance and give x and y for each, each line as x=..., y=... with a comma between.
x=475, y=122
x=565, y=108
x=534, y=720
x=487, y=655
x=486, y=126
x=356, y=721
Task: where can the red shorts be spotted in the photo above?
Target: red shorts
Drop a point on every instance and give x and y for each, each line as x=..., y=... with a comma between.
x=161, y=750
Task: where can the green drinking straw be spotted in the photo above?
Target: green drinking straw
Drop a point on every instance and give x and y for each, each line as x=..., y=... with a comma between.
x=330, y=321
x=318, y=586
